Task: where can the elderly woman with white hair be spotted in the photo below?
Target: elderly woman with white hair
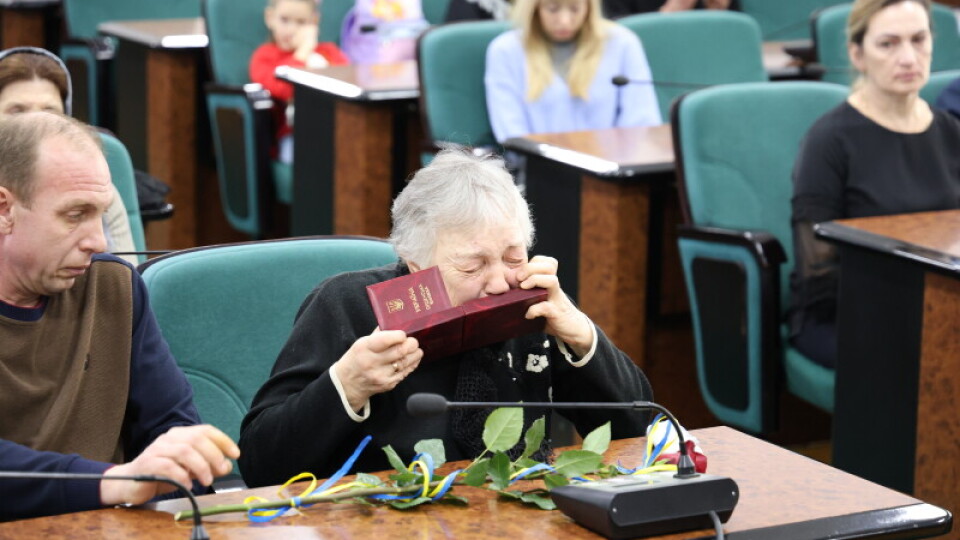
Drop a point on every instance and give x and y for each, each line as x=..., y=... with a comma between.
x=340, y=378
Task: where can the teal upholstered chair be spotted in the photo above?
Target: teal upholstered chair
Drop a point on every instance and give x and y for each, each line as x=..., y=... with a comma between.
x=332, y=13
x=938, y=81
x=121, y=172
x=454, y=107
x=736, y=145
x=88, y=55
x=241, y=119
x=693, y=49
x=830, y=41
x=435, y=11
x=782, y=20
x=227, y=310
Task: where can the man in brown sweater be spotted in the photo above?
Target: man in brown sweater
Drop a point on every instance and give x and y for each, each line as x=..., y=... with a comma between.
x=89, y=384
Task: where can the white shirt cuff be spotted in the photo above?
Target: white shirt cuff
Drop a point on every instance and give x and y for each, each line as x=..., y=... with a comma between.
x=365, y=413
x=587, y=357
x=316, y=61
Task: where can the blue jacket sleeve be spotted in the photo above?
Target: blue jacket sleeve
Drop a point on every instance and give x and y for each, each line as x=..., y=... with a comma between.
x=160, y=396
x=505, y=81
x=641, y=107
x=32, y=498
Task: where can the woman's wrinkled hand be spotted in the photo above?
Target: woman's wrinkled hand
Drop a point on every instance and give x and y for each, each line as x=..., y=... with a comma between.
x=564, y=320
x=375, y=364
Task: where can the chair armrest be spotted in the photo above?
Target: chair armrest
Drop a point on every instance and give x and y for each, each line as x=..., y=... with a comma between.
x=733, y=282
x=765, y=247
x=103, y=48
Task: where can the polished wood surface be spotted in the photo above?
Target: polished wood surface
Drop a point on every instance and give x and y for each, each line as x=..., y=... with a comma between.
x=938, y=401
x=777, y=489
x=613, y=261
x=937, y=231
x=190, y=33
x=22, y=27
x=363, y=82
x=606, y=152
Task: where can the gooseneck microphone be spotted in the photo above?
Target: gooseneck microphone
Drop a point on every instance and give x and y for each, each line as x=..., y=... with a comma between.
x=198, y=532
x=623, y=80
x=427, y=404
x=626, y=506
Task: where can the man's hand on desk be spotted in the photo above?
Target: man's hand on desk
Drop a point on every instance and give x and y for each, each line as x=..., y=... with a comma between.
x=182, y=454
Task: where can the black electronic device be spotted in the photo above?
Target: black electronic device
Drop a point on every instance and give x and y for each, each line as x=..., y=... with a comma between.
x=626, y=506
x=648, y=504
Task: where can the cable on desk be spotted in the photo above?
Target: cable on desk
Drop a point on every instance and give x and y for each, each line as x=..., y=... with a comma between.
x=717, y=526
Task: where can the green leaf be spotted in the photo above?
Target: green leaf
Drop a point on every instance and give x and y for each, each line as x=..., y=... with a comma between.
x=533, y=437
x=499, y=470
x=577, y=462
x=501, y=431
x=598, y=440
x=510, y=494
x=555, y=481
x=394, y=459
x=403, y=505
x=476, y=475
x=406, y=478
x=369, y=479
x=455, y=499
x=545, y=503
x=526, y=463
x=434, y=447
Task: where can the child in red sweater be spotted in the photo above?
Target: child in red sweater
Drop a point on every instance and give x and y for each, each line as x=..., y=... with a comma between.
x=294, y=29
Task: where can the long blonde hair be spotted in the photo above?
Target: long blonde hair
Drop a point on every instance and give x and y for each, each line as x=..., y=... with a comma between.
x=536, y=45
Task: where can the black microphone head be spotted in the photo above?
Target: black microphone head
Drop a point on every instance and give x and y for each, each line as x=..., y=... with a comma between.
x=620, y=80
x=425, y=404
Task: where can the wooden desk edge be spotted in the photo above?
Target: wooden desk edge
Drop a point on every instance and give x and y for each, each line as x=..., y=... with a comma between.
x=155, y=40
x=845, y=235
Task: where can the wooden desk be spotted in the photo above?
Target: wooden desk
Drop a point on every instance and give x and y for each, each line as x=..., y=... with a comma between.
x=782, y=495
x=28, y=23
x=897, y=414
x=161, y=117
x=590, y=196
x=357, y=137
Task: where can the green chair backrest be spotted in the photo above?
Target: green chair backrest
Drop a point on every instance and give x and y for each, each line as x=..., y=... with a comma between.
x=938, y=81
x=83, y=16
x=435, y=11
x=698, y=48
x=121, y=172
x=782, y=20
x=739, y=143
x=452, y=61
x=332, y=13
x=227, y=310
x=829, y=33
x=235, y=29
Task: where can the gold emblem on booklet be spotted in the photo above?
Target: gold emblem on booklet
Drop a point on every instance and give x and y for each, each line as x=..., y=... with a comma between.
x=394, y=306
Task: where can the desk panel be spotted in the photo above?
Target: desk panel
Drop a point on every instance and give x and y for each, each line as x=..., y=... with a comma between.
x=898, y=376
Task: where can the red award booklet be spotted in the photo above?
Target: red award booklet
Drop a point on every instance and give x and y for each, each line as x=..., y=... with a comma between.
x=418, y=304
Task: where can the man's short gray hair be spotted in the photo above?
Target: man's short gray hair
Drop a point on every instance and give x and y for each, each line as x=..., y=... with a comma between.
x=457, y=191
x=20, y=139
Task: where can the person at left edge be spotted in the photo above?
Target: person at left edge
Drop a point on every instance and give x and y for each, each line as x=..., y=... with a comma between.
x=89, y=385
